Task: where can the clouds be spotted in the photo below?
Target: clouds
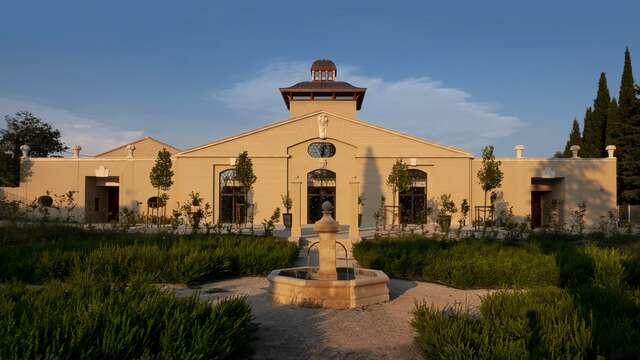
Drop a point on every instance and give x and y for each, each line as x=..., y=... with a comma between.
x=94, y=136
x=417, y=105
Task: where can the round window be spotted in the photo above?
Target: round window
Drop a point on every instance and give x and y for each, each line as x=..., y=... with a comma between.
x=321, y=150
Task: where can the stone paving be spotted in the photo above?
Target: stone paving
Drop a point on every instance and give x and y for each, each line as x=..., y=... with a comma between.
x=376, y=332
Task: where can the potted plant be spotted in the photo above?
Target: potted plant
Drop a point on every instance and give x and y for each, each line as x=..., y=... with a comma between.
x=361, y=200
x=447, y=208
x=287, y=203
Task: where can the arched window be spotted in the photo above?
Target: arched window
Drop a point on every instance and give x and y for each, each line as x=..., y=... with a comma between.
x=233, y=208
x=321, y=187
x=413, y=202
x=45, y=201
x=321, y=150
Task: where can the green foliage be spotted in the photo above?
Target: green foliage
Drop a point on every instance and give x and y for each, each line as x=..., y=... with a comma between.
x=161, y=174
x=593, y=141
x=86, y=320
x=575, y=138
x=25, y=128
x=490, y=175
x=447, y=206
x=613, y=124
x=399, y=180
x=244, y=172
x=269, y=224
x=467, y=263
x=58, y=252
x=540, y=323
x=287, y=203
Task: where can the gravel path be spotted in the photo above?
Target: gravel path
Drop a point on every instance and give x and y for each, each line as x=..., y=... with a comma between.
x=376, y=332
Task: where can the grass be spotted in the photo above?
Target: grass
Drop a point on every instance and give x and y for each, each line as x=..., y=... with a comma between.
x=121, y=257
x=83, y=319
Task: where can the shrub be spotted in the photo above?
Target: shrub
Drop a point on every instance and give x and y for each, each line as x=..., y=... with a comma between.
x=468, y=263
x=540, y=323
x=608, y=269
x=83, y=320
x=120, y=257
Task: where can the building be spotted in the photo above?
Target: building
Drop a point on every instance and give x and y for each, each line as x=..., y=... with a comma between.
x=322, y=151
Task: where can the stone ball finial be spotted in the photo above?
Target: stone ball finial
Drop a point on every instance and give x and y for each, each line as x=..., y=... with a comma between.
x=25, y=151
x=519, y=149
x=610, y=151
x=327, y=224
x=75, y=151
x=574, y=150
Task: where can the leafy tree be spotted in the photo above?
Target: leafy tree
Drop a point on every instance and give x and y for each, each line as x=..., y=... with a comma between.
x=595, y=129
x=575, y=138
x=25, y=128
x=399, y=180
x=490, y=176
x=161, y=175
x=244, y=174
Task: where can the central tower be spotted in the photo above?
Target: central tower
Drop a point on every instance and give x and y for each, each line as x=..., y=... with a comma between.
x=323, y=92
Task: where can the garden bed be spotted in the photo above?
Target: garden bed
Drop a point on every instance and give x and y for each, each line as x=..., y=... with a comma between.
x=81, y=319
x=57, y=252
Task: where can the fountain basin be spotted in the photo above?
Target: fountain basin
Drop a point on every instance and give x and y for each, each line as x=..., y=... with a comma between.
x=298, y=286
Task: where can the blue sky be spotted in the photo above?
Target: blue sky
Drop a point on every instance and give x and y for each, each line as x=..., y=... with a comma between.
x=461, y=73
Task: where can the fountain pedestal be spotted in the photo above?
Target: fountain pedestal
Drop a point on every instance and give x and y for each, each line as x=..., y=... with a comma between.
x=327, y=228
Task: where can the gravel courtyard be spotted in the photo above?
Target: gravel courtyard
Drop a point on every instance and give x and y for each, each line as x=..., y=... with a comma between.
x=376, y=332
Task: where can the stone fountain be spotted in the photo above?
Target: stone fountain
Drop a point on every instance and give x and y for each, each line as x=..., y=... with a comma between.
x=327, y=285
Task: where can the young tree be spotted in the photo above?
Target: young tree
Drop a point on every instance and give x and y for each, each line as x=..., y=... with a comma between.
x=399, y=180
x=575, y=138
x=490, y=175
x=161, y=175
x=245, y=175
x=25, y=128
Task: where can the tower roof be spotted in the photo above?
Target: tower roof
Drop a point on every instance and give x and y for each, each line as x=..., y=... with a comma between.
x=323, y=85
x=323, y=65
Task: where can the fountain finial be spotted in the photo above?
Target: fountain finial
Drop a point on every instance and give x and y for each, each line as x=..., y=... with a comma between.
x=327, y=224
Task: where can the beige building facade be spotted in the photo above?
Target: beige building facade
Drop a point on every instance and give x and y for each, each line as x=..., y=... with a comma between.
x=322, y=151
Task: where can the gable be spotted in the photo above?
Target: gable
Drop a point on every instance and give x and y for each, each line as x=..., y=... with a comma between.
x=147, y=147
x=369, y=139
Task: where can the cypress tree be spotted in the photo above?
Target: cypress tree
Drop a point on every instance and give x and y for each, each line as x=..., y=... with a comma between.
x=613, y=123
x=627, y=94
x=600, y=110
x=629, y=157
x=574, y=139
x=628, y=144
x=587, y=148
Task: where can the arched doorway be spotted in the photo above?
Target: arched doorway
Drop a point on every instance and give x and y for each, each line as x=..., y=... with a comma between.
x=321, y=187
x=232, y=199
x=413, y=202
